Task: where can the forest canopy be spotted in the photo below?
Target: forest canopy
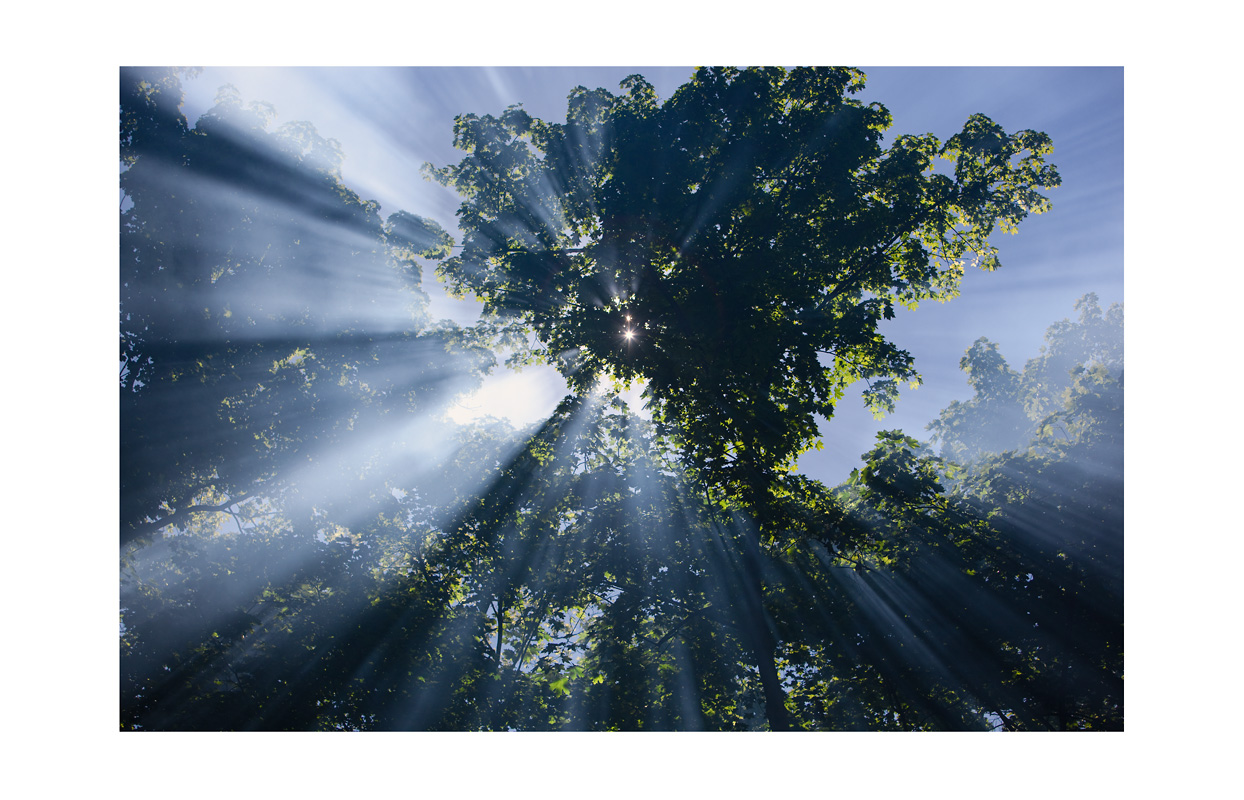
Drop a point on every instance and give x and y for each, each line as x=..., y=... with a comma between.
x=309, y=543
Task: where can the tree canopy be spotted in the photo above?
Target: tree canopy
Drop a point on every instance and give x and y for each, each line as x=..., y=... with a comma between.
x=308, y=543
x=734, y=247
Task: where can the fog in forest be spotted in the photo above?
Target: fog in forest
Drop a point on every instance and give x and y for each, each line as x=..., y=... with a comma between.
x=543, y=438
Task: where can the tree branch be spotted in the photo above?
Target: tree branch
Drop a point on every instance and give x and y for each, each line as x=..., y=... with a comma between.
x=148, y=528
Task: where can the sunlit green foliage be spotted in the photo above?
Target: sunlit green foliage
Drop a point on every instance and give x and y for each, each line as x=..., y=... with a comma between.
x=735, y=246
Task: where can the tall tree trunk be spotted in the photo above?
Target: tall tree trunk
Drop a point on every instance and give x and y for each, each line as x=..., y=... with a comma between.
x=760, y=638
x=763, y=648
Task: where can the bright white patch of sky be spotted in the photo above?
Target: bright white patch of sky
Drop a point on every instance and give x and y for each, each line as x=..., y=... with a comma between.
x=526, y=397
x=634, y=400
x=521, y=397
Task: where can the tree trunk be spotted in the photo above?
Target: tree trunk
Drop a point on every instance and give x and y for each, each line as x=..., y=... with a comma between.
x=763, y=647
x=760, y=638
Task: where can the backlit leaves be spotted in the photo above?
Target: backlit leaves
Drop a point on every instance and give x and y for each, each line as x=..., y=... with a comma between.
x=750, y=230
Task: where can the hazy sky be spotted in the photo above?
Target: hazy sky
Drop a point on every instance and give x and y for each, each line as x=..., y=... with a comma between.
x=392, y=120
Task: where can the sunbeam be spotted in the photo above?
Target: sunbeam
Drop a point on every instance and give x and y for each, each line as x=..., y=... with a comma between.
x=340, y=512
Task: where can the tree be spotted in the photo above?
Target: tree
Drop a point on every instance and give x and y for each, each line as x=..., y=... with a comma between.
x=719, y=246
x=271, y=322
x=735, y=247
x=1008, y=409
x=994, y=419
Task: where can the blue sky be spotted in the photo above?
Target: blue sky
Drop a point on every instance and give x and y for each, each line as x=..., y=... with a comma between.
x=390, y=121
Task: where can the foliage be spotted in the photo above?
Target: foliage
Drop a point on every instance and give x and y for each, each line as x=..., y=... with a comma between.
x=735, y=247
x=1008, y=574
x=307, y=545
x=585, y=587
x=550, y=584
x=270, y=320
x=1007, y=408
